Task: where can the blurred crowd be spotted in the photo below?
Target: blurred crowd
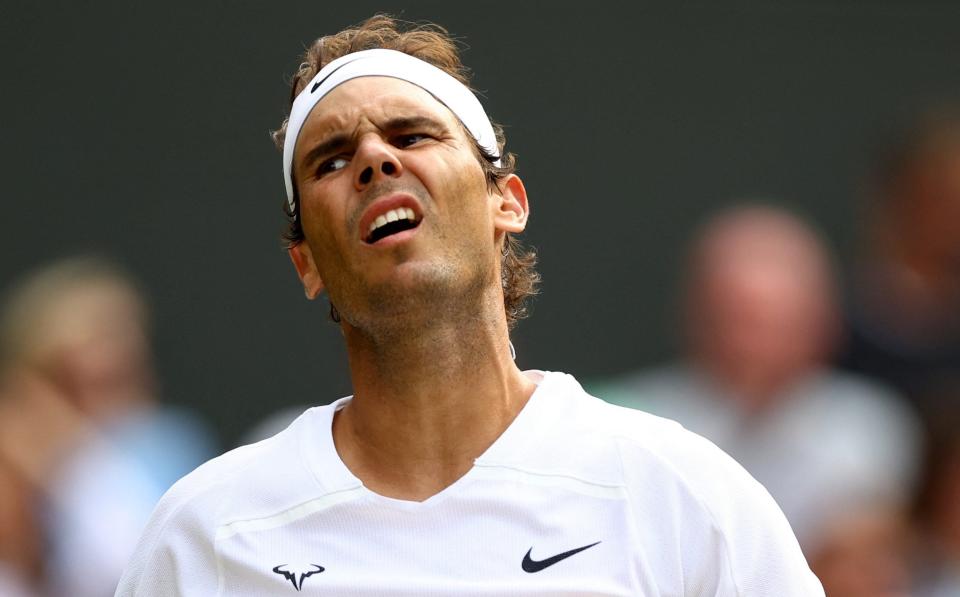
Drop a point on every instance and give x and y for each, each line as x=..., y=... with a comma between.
x=840, y=393
x=86, y=450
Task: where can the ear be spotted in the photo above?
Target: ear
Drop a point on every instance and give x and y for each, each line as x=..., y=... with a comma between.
x=307, y=271
x=510, y=207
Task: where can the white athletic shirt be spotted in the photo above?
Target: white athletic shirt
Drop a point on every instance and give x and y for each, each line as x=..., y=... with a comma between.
x=577, y=497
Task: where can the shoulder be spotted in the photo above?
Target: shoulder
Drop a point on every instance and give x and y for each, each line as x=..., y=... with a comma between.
x=675, y=391
x=655, y=449
x=640, y=443
x=239, y=472
x=639, y=431
x=243, y=483
x=683, y=487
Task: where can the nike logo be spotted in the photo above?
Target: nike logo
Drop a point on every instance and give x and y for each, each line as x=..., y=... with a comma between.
x=323, y=80
x=530, y=565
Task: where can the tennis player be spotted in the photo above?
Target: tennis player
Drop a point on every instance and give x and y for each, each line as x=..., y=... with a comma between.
x=449, y=471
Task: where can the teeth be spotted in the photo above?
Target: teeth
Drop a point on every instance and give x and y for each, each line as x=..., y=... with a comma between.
x=401, y=213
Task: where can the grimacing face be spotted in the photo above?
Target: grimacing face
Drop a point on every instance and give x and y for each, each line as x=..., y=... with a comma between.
x=379, y=147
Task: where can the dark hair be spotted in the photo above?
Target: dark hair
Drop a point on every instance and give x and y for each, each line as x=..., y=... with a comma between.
x=430, y=43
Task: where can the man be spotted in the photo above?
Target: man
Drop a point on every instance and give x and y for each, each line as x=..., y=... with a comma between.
x=838, y=452
x=449, y=471
x=902, y=320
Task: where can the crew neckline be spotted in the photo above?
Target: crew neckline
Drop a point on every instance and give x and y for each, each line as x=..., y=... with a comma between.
x=333, y=475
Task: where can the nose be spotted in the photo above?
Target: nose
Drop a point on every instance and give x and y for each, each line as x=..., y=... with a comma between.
x=375, y=159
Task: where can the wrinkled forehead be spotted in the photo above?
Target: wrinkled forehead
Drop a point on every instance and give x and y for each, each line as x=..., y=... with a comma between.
x=373, y=100
x=386, y=63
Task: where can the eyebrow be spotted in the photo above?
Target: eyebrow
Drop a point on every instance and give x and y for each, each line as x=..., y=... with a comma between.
x=337, y=142
x=332, y=145
x=413, y=122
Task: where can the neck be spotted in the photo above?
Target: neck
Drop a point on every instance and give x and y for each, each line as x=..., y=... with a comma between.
x=427, y=403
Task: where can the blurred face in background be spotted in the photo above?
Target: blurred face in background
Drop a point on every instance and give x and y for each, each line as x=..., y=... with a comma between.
x=925, y=207
x=78, y=329
x=93, y=346
x=760, y=303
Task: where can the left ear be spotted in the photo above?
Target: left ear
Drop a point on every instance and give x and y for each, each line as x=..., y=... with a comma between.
x=511, y=209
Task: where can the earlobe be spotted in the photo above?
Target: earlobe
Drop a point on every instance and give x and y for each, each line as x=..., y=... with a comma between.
x=512, y=207
x=306, y=269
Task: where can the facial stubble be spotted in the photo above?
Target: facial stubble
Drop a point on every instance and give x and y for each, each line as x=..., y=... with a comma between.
x=450, y=288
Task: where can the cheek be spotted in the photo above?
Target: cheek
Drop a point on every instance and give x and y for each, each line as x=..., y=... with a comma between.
x=324, y=241
x=322, y=214
x=466, y=191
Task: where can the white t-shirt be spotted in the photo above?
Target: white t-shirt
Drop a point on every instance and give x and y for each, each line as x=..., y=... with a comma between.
x=577, y=497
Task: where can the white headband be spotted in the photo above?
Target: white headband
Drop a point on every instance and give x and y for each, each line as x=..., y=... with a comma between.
x=387, y=63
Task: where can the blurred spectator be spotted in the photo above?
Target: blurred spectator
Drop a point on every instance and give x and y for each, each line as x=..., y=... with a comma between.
x=80, y=426
x=938, y=513
x=19, y=535
x=839, y=453
x=903, y=316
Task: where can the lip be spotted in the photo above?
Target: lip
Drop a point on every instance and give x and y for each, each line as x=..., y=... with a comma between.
x=382, y=206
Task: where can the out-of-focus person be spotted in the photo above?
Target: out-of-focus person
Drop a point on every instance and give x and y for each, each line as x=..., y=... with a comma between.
x=19, y=536
x=938, y=514
x=79, y=423
x=839, y=453
x=903, y=313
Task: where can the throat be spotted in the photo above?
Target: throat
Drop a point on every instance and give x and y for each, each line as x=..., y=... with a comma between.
x=410, y=436
x=406, y=462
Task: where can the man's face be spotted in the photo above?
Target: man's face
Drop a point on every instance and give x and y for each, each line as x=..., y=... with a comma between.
x=377, y=149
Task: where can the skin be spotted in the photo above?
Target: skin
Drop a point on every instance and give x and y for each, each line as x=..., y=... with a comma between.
x=422, y=314
x=760, y=313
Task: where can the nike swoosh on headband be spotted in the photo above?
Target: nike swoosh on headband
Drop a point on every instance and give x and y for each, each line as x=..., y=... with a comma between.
x=387, y=63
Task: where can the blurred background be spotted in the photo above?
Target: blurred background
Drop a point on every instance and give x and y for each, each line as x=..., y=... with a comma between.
x=747, y=216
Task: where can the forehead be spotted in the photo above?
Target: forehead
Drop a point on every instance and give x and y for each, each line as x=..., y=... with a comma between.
x=374, y=100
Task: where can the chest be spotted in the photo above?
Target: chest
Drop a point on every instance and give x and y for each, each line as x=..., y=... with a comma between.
x=502, y=540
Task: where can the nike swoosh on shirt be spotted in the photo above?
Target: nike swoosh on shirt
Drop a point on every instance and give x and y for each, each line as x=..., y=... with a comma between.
x=530, y=565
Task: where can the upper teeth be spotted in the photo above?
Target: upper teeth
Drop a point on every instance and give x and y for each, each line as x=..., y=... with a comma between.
x=401, y=213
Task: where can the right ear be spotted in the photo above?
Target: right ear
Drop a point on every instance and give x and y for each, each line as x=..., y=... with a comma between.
x=306, y=269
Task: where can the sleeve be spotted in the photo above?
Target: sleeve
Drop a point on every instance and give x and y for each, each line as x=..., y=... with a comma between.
x=175, y=556
x=732, y=538
x=761, y=551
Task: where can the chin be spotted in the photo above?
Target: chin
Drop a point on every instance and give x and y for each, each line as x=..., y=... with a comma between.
x=421, y=291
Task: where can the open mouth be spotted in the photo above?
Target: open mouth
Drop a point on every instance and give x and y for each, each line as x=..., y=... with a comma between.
x=394, y=221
